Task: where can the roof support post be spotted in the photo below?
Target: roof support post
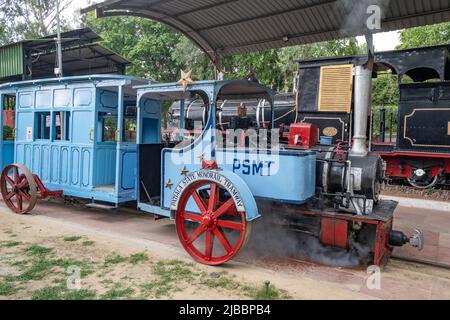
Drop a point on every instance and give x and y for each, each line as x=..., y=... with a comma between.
x=119, y=137
x=218, y=66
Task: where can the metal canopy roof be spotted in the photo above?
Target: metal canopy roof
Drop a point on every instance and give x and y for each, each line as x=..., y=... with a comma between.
x=34, y=59
x=88, y=59
x=229, y=27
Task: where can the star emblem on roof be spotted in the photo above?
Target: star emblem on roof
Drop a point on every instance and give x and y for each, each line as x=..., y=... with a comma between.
x=186, y=79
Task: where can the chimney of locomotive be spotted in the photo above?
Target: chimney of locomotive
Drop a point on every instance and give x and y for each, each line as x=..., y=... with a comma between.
x=362, y=102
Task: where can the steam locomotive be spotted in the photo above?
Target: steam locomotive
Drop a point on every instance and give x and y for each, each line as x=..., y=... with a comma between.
x=324, y=89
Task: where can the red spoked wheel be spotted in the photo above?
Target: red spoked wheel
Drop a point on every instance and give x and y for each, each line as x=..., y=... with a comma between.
x=18, y=188
x=208, y=224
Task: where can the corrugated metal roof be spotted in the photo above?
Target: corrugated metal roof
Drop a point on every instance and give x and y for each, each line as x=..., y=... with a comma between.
x=229, y=27
x=81, y=55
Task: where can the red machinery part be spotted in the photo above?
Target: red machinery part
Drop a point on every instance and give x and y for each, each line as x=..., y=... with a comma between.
x=304, y=135
x=334, y=233
x=21, y=189
x=43, y=192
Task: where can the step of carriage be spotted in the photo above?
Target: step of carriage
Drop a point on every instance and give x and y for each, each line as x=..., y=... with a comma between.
x=101, y=206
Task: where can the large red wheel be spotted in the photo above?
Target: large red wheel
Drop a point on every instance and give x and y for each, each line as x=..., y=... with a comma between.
x=18, y=188
x=208, y=225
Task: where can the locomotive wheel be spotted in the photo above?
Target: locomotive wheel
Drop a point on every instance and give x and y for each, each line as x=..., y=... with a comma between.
x=216, y=234
x=18, y=188
x=423, y=181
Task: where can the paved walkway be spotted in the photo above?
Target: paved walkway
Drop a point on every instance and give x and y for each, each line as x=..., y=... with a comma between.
x=435, y=226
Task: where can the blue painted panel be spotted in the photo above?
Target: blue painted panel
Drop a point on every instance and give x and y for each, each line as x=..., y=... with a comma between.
x=150, y=107
x=75, y=167
x=65, y=163
x=43, y=99
x=105, y=165
x=25, y=100
x=83, y=97
x=288, y=176
x=7, y=153
x=62, y=98
x=129, y=163
x=27, y=156
x=36, y=161
x=25, y=120
x=45, y=164
x=81, y=126
x=55, y=164
x=86, y=165
x=108, y=99
x=150, y=131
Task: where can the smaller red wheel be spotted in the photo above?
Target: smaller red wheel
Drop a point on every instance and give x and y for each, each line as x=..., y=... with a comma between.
x=208, y=225
x=18, y=188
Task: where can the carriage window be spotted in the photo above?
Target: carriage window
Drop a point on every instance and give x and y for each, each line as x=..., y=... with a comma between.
x=62, y=125
x=43, y=123
x=129, y=130
x=9, y=117
x=109, y=129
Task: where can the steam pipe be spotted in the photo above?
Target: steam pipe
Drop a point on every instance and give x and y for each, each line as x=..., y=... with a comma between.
x=363, y=91
x=363, y=101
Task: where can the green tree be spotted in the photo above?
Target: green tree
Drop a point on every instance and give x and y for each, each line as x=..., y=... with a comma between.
x=190, y=57
x=149, y=45
x=385, y=90
x=29, y=19
x=425, y=36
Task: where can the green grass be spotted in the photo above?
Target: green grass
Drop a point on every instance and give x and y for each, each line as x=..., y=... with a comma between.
x=118, y=293
x=88, y=243
x=265, y=293
x=61, y=293
x=72, y=238
x=169, y=275
x=10, y=244
x=7, y=289
x=42, y=267
x=222, y=282
x=138, y=257
x=36, y=250
x=114, y=259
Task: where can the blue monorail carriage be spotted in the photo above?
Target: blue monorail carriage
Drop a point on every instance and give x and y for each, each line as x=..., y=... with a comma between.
x=77, y=134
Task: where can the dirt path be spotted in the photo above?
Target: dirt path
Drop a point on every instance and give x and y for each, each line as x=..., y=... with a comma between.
x=117, y=262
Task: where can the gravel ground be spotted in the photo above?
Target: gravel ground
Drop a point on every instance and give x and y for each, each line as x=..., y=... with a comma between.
x=437, y=193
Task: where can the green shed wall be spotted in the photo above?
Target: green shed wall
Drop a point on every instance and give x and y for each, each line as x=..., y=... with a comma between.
x=11, y=60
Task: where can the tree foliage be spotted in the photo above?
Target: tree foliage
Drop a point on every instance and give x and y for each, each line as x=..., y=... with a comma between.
x=149, y=45
x=28, y=19
x=425, y=36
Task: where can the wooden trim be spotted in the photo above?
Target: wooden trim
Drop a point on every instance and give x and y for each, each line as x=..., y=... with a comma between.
x=336, y=88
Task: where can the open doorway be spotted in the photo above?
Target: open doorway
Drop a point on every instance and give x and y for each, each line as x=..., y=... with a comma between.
x=8, y=128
